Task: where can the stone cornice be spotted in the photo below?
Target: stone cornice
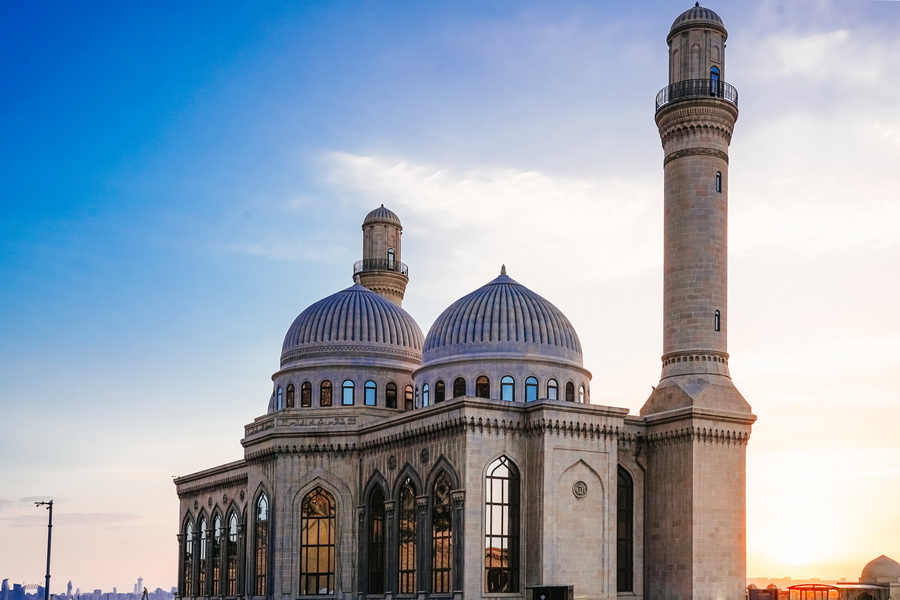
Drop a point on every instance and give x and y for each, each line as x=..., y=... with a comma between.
x=694, y=152
x=188, y=485
x=706, y=435
x=332, y=350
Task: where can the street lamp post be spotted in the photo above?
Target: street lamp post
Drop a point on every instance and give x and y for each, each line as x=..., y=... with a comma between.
x=49, y=506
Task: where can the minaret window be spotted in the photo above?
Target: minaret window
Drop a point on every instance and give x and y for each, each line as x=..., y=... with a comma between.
x=483, y=387
x=408, y=398
x=714, y=88
x=425, y=394
x=459, y=387
x=531, y=389
x=719, y=181
x=390, y=258
x=347, y=393
x=570, y=392
x=317, y=521
x=508, y=389
x=306, y=394
x=390, y=395
x=439, y=391
x=371, y=391
x=290, y=395
x=325, y=393
x=717, y=321
x=552, y=390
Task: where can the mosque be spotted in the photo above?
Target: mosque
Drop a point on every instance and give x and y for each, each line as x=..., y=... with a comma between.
x=470, y=462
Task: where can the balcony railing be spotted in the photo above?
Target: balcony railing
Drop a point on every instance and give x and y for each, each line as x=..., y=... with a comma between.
x=696, y=88
x=380, y=264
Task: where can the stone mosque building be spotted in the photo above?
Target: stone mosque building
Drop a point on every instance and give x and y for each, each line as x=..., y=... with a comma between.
x=469, y=462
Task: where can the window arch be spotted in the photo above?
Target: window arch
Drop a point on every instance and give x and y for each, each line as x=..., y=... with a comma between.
x=570, y=392
x=426, y=393
x=719, y=181
x=203, y=558
x=325, y=393
x=231, y=556
x=406, y=538
x=390, y=258
x=625, y=532
x=261, y=540
x=347, y=393
x=375, y=557
x=508, y=388
x=390, y=395
x=408, y=398
x=581, y=396
x=501, y=532
x=459, y=387
x=216, y=557
x=279, y=398
x=553, y=390
x=317, y=520
x=439, y=391
x=715, y=89
x=290, y=395
x=187, y=560
x=441, y=536
x=483, y=387
x=371, y=392
x=717, y=321
x=306, y=394
x=531, y=389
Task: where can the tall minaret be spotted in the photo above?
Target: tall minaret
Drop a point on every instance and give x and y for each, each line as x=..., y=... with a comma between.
x=380, y=270
x=697, y=422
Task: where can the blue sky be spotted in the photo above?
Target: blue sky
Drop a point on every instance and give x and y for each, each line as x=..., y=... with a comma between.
x=181, y=181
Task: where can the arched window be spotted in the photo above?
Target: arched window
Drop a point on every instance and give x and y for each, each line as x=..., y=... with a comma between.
x=290, y=395
x=441, y=536
x=203, y=559
x=187, y=560
x=371, y=391
x=325, y=393
x=231, y=557
x=482, y=387
x=714, y=88
x=625, y=532
x=459, y=387
x=261, y=541
x=570, y=392
x=375, y=558
x=507, y=388
x=408, y=398
x=306, y=394
x=216, y=557
x=347, y=393
x=552, y=390
x=531, y=389
x=406, y=538
x=719, y=181
x=390, y=258
x=581, y=397
x=717, y=321
x=390, y=395
x=279, y=398
x=425, y=395
x=439, y=391
x=317, y=519
x=501, y=531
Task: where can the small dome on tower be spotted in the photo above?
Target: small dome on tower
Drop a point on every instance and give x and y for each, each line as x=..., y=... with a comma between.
x=883, y=569
x=694, y=16
x=381, y=214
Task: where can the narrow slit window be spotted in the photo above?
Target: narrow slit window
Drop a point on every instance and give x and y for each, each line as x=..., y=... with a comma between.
x=719, y=181
x=717, y=321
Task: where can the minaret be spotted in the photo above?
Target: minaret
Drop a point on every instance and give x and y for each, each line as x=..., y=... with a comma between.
x=380, y=270
x=698, y=423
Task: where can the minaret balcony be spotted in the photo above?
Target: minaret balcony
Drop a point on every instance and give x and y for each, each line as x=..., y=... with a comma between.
x=380, y=264
x=694, y=89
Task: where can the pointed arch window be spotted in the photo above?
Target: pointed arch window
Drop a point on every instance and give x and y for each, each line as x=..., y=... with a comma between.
x=347, y=393
x=203, y=558
x=570, y=392
x=370, y=394
x=231, y=557
x=408, y=398
x=426, y=394
x=187, y=560
x=531, y=389
x=439, y=391
x=508, y=388
x=483, y=387
x=390, y=395
x=306, y=394
x=325, y=393
x=501, y=533
x=216, y=557
x=625, y=532
x=317, y=520
x=290, y=395
x=552, y=390
x=406, y=538
x=459, y=387
x=261, y=549
x=441, y=536
x=375, y=557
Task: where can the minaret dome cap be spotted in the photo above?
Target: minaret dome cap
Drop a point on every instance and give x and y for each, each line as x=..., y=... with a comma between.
x=382, y=214
x=697, y=16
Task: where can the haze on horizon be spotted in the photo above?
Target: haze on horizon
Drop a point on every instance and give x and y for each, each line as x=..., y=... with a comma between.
x=181, y=181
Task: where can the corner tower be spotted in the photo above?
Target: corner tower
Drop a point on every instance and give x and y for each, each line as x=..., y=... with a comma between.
x=697, y=421
x=380, y=269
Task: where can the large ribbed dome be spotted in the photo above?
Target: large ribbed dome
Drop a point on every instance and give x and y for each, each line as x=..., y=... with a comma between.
x=694, y=16
x=503, y=318
x=353, y=319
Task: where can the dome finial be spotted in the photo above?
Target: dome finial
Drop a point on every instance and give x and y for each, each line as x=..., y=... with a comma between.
x=503, y=269
x=696, y=5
